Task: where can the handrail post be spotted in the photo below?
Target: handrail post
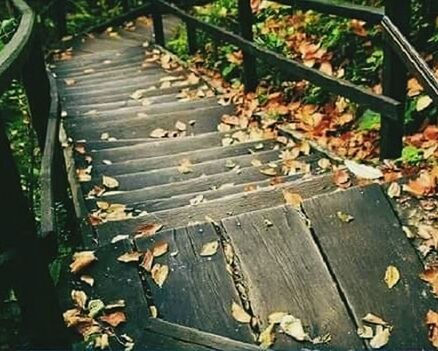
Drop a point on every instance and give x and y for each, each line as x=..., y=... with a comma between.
x=192, y=41
x=395, y=77
x=59, y=14
x=36, y=85
x=31, y=282
x=157, y=19
x=249, y=61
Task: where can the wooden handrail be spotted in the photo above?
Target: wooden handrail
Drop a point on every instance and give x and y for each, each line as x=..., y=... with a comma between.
x=16, y=51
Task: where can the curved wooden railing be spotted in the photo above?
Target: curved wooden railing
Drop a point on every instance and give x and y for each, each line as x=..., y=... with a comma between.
x=23, y=259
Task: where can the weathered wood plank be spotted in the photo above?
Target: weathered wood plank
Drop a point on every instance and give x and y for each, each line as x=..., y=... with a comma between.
x=222, y=208
x=199, y=291
x=359, y=253
x=289, y=275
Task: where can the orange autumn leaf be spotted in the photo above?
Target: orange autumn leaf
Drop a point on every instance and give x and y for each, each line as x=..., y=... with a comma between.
x=81, y=260
x=148, y=229
x=431, y=276
x=424, y=185
x=342, y=179
x=114, y=319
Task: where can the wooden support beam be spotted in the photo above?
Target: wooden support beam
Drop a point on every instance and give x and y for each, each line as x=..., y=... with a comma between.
x=157, y=18
x=31, y=280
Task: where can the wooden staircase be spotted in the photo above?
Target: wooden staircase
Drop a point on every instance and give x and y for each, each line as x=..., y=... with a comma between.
x=203, y=185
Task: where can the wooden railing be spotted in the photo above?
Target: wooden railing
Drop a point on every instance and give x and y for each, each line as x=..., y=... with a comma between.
x=400, y=57
x=22, y=253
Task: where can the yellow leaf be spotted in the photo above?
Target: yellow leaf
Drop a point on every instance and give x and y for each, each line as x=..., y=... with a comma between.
x=293, y=327
x=109, y=182
x=423, y=103
x=293, y=199
x=209, y=249
x=276, y=317
x=392, y=276
x=129, y=257
x=373, y=319
x=239, y=314
x=159, y=273
x=267, y=337
x=82, y=260
x=79, y=298
x=381, y=337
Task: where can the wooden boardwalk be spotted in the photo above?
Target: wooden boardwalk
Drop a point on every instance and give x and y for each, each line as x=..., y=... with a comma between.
x=205, y=186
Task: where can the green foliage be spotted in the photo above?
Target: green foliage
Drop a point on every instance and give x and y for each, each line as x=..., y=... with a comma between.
x=412, y=155
x=7, y=29
x=370, y=120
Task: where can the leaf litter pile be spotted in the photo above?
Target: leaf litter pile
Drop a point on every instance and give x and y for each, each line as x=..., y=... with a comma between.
x=270, y=113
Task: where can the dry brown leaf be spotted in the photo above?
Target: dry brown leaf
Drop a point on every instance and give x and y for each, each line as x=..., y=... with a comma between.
x=373, y=319
x=82, y=260
x=153, y=311
x=159, y=273
x=381, y=338
x=180, y=126
x=69, y=82
x=209, y=249
x=431, y=276
x=324, y=163
x=344, y=217
x=239, y=314
x=365, y=332
x=293, y=327
x=392, y=276
x=394, y=190
x=147, y=261
x=185, y=166
x=293, y=199
x=114, y=319
x=160, y=248
x=158, y=133
x=79, y=298
x=130, y=257
x=424, y=185
x=342, y=179
x=101, y=342
x=432, y=323
x=269, y=171
x=148, y=229
x=109, y=182
x=87, y=279
x=276, y=317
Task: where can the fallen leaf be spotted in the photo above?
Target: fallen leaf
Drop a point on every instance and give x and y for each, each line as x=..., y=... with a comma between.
x=293, y=199
x=117, y=304
x=109, y=182
x=118, y=238
x=267, y=337
x=82, y=260
x=158, y=133
x=239, y=314
x=432, y=323
x=79, y=298
x=342, y=179
x=423, y=103
x=276, y=317
x=69, y=82
x=87, y=280
x=209, y=249
x=269, y=171
x=268, y=223
x=394, y=190
x=392, y=276
x=114, y=319
x=147, y=261
x=381, y=337
x=424, y=185
x=153, y=311
x=159, y=273
x=160, y=248
x=344, y=217
x=324, y=163
x=95, y=307
x=101, y=342
x=365, y=332
x=185, y=166
x=130, y=257
x=363, y=171
x=148, y=229
x=431, y=276
x=373, y=319
x=293, y=327
x=182, y=127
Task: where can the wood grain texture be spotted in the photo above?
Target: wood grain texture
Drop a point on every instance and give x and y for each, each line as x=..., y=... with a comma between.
x=285, y=272
x=199, y=291
x=359, y=253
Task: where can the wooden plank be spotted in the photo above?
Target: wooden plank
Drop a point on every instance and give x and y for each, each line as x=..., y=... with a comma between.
x=134, y=126
x=199, y=291
x=196, y=156
x=196, y=337
x=225, y=207
x=173, y=175
x=289, y=275
x=359, y=253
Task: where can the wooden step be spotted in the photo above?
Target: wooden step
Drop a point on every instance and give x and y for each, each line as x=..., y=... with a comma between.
x=217, y=210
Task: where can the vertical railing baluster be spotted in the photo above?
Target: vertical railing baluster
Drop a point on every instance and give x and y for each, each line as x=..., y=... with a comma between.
x=59, y=15
x=192, y=40
x=157, y=18
x=249, y=61
x=37, y=88
x=395, y=78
